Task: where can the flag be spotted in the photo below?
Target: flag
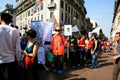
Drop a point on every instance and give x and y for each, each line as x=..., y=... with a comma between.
x=75, y=29
x=55, y=20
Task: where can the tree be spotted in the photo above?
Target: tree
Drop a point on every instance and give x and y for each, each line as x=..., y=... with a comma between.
x=9, y=6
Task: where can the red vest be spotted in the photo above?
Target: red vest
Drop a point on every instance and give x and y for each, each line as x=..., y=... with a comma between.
x=81, y=42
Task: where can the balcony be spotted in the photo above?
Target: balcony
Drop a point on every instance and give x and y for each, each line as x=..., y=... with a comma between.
x=52, y=5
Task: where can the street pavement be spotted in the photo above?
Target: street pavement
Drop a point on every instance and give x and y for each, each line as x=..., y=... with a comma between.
x=104, y=72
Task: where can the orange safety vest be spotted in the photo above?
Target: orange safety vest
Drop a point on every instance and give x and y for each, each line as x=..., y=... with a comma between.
x=58, y=43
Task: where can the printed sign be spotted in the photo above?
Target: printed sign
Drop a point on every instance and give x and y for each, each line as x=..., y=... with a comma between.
x=67, y=30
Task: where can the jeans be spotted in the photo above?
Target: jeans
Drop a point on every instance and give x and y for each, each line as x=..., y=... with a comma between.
x=94, y=60
x=116, y=71
x=82, y=54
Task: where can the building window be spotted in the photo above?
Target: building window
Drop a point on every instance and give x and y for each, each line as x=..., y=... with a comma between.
x=41, y=7
x=41, y=17
x=68, y=19
x=66, y=7
x=29, y=13
x=74, y=13
x=62, y=16
x=62, y=4
x=51, y=15
x=26, y=14
x=71, y=12
x=38, y=17
x=65, y=18
x=28, y=22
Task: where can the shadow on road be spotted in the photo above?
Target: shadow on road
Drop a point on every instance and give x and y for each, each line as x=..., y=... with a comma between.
x=100, y=57
x=106, y=64
x=43, y=75
x=79, y=79
x=100, y=61
x=112, y=54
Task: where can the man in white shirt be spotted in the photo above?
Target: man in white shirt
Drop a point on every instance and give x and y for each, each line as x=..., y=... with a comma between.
x=9, y=48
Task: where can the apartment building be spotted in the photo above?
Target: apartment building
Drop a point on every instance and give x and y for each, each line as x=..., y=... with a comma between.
x=116, y=19
x=65, y=12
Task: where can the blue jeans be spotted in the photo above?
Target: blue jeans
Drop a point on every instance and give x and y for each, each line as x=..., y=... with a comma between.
x=94, y=60
x=82, y=54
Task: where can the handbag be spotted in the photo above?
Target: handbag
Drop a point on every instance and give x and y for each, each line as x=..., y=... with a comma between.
x=29, y=61
x=50, y=56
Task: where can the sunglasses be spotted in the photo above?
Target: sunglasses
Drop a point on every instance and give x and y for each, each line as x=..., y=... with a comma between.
x=57, y=30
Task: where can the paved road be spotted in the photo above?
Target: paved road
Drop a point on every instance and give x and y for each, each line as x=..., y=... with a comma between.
x=102, y=73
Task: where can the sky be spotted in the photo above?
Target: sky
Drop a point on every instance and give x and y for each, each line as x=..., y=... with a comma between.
x=4, y=2
x=102, y=12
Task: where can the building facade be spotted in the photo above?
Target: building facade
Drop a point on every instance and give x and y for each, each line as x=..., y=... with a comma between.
x=116, y=19
x=64, y=11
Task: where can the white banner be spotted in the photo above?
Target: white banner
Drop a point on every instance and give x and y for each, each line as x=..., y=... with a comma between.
x=47, y=31
x=97, y=30
x=67, y=30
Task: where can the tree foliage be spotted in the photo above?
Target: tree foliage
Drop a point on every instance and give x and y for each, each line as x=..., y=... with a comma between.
x=9, y=6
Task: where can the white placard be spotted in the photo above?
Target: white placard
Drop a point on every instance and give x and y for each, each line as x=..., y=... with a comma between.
x=67, y=30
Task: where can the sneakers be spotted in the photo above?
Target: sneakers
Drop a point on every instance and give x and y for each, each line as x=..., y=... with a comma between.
x=55, y=70
x=97, y=66
x=60, y=72
x=92, y=67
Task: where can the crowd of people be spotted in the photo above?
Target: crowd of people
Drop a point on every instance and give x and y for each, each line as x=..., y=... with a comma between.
x=18, y=54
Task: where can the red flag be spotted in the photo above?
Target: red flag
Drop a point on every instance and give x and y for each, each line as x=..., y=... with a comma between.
x=55, y=20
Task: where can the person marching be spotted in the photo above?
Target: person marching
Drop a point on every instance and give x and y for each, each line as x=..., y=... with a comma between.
x=94, y=52
x=81, y=49
x=58, y=42
x=30, y=52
